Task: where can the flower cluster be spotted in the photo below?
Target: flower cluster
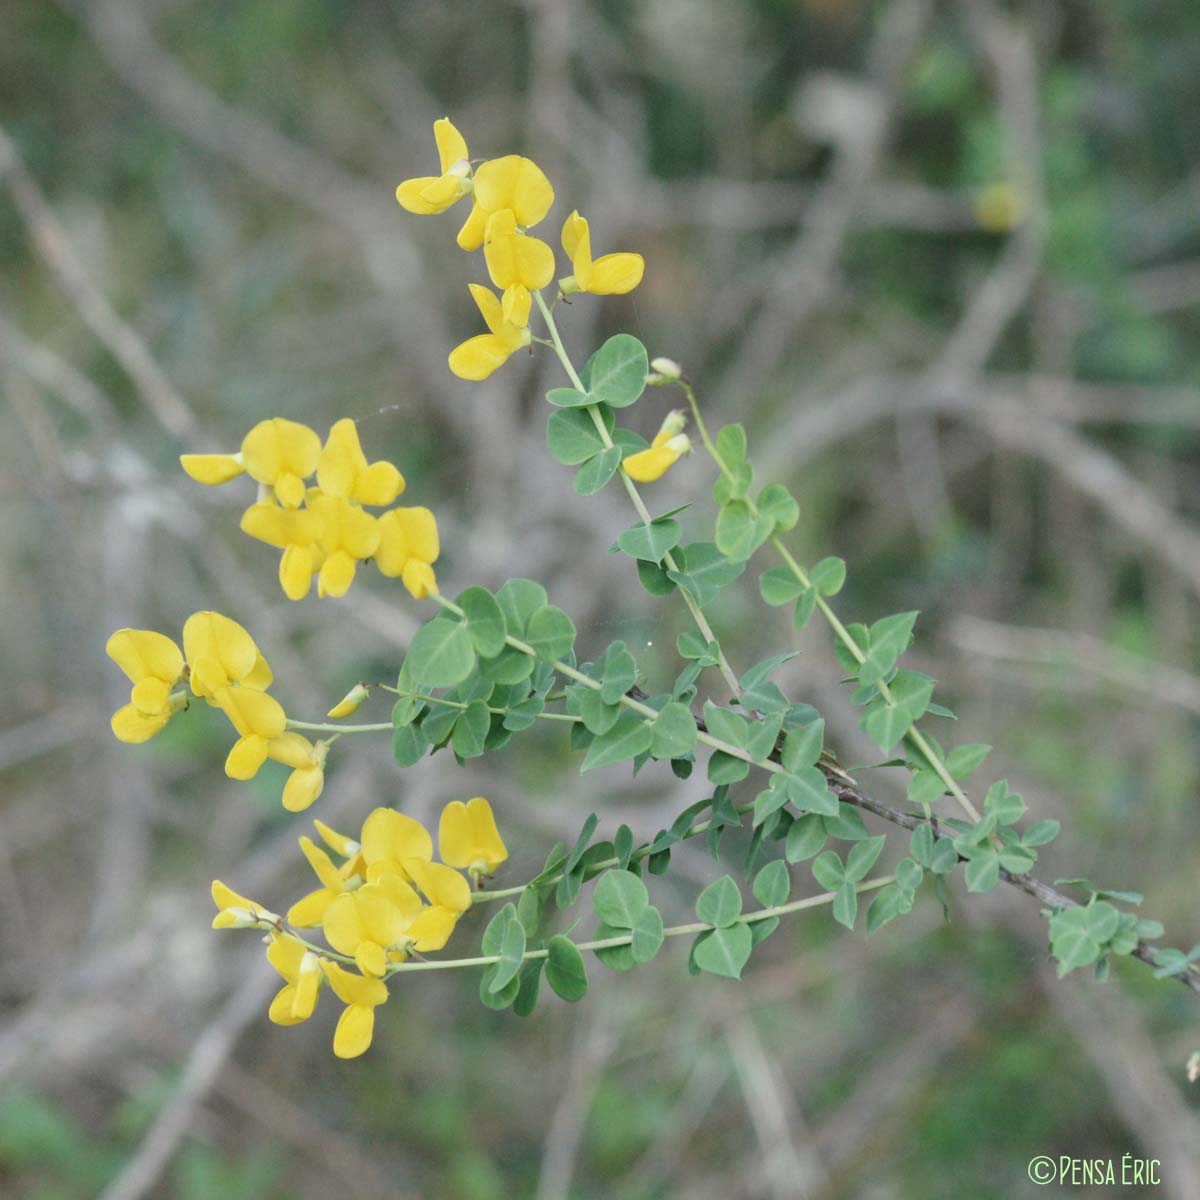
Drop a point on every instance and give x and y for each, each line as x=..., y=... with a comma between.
x=325, y=530
x=386, y=900
x=509, y=196
x=225, y=668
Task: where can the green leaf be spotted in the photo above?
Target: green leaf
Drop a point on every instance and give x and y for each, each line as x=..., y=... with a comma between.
x=828, y=576
x=845, y=905
x=731, y=445
x=620, y=898
x=529, y=987
x=617, y=672
x=1007, y=807
x=647, y=935
x=629, y=737
x=565, y=397
x=650, y=542
x=508, y=667
x=597, y=716
x=763, y=735
x=925, y=787
x=808, y=790
x=773, y=884
x=862, y=858
x=723, y=951
x=1040, y=833
x=1072, y=941
x=704, y=571
x=409, y=744
x=565, y=971
x=581, y=843
x=597, y=471
x=616, y=958
x=470, y=730
x=726, y=726
x=485, y=621
x=884, y=908
x=623, y=846
x=512, y=954
x=802, y=747
x=736, y=530
x=619, y=370
x=770, y=800
x=550, y=633
x=982, y=872
x=804, y=608
x=720, y=903
x=890, y=637
x=1103, y=920
x=847, y=825
x=504, y=997
x=519, y=599
x=673, y=733
x=828, y=871
x=778, y=506
x=572, y=437
x=654, y=579
x=442, y=653
x=779, y=586
x=725, y=768
x=963, y=761
x=805, y=838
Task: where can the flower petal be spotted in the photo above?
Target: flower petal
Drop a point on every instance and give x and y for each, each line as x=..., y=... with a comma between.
x=616, y=274
x=212, y=469
x=133, y=727
x=145, y=654
x=355, y=1028
x=391, y=836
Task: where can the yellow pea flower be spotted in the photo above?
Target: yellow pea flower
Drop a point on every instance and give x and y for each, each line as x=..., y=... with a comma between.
x=468, y=838
x=362, y=995
x=669, y=445
x=389, y=839
x=515, y=260
x=511, y=182
x=301, y=970
x=310, y=910
x=234, y=911
x=277, y=452
x=307, y=761
x=478, y=357
x=153, y=664
x=348, y=535
x=341, y=844
x=608, y=275
x=219, y=653
x=258, y=719
x=295, y=531
x=357, y=696
x=343, y=470
x=371, y=922
x=436, y=193
x=449, y=897
x=408, y=547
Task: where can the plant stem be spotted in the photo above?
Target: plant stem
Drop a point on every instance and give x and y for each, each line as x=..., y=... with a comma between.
x=842, y=633
x=635, y=496
x=762, y=914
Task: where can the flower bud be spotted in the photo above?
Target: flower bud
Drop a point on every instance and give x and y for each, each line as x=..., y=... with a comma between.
x=668, y=368
x=1193, y=1068
x=675, y=422
x=351, y=702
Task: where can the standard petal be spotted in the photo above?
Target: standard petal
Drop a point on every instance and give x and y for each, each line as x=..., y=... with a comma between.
x=411, y=195
x=293, y=750
x=388, y=835
x=432, y=929
x=419, y=579
x=456, y=838
x=322, y=865
x=309, y=911
x=452, y=146
x=616, y=274
x=513, y=182
x=353, y=989
x=378, y=484
x=303, y=786
x=478, y=357
x=341, y=460
x=283, y=1007
x=470, y=236
x=150, y=696
x=252, y=712
x=336, y=575
x=489, y=307
x=277, y=447
x=145, y=654
x=441, y=884
x=247, y=756
x=404, y=534
x=213, y=638
x=212, y=469
x=285, y=954
x=225, y=897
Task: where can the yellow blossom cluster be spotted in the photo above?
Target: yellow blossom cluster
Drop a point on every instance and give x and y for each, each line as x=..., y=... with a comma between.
x=387, y=899
x=509, y=196
x=220, y=664
x=325, y=530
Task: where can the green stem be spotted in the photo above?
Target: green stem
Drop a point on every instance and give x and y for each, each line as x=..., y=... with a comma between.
x=635, y=496
x=318, y=728
x=842, y=633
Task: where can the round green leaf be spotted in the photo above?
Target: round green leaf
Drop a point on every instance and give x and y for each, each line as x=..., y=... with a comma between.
x=572, y=436
x=442, y=654
x=597, y=471
x=550, y=632
x=565, y=971
x=485, y=620
x=647, y=935
x=619, y=369
x=723, y=951
x=673, y=733
x=620, y=898
x=720, y=903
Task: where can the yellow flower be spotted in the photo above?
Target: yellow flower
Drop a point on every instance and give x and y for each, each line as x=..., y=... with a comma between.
x=608, y=275
x=372, y=922
x=449, y=897
x=390, y=839
x=353, y=700
x=436, y=193
x=297, y=533
x=310, y=910
x=219, y=653
x=478, y=357
x=511, y=182
x=279, y=453
x=408, y=547
x=343, y=470
x=516, y=262
x=236, y=912
x=301, y=970
x=307, y=761
x=348, y=535
x=668, y=446
x=468, y=838
x=153, y=664
x=362, y=995
x=259, y=719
